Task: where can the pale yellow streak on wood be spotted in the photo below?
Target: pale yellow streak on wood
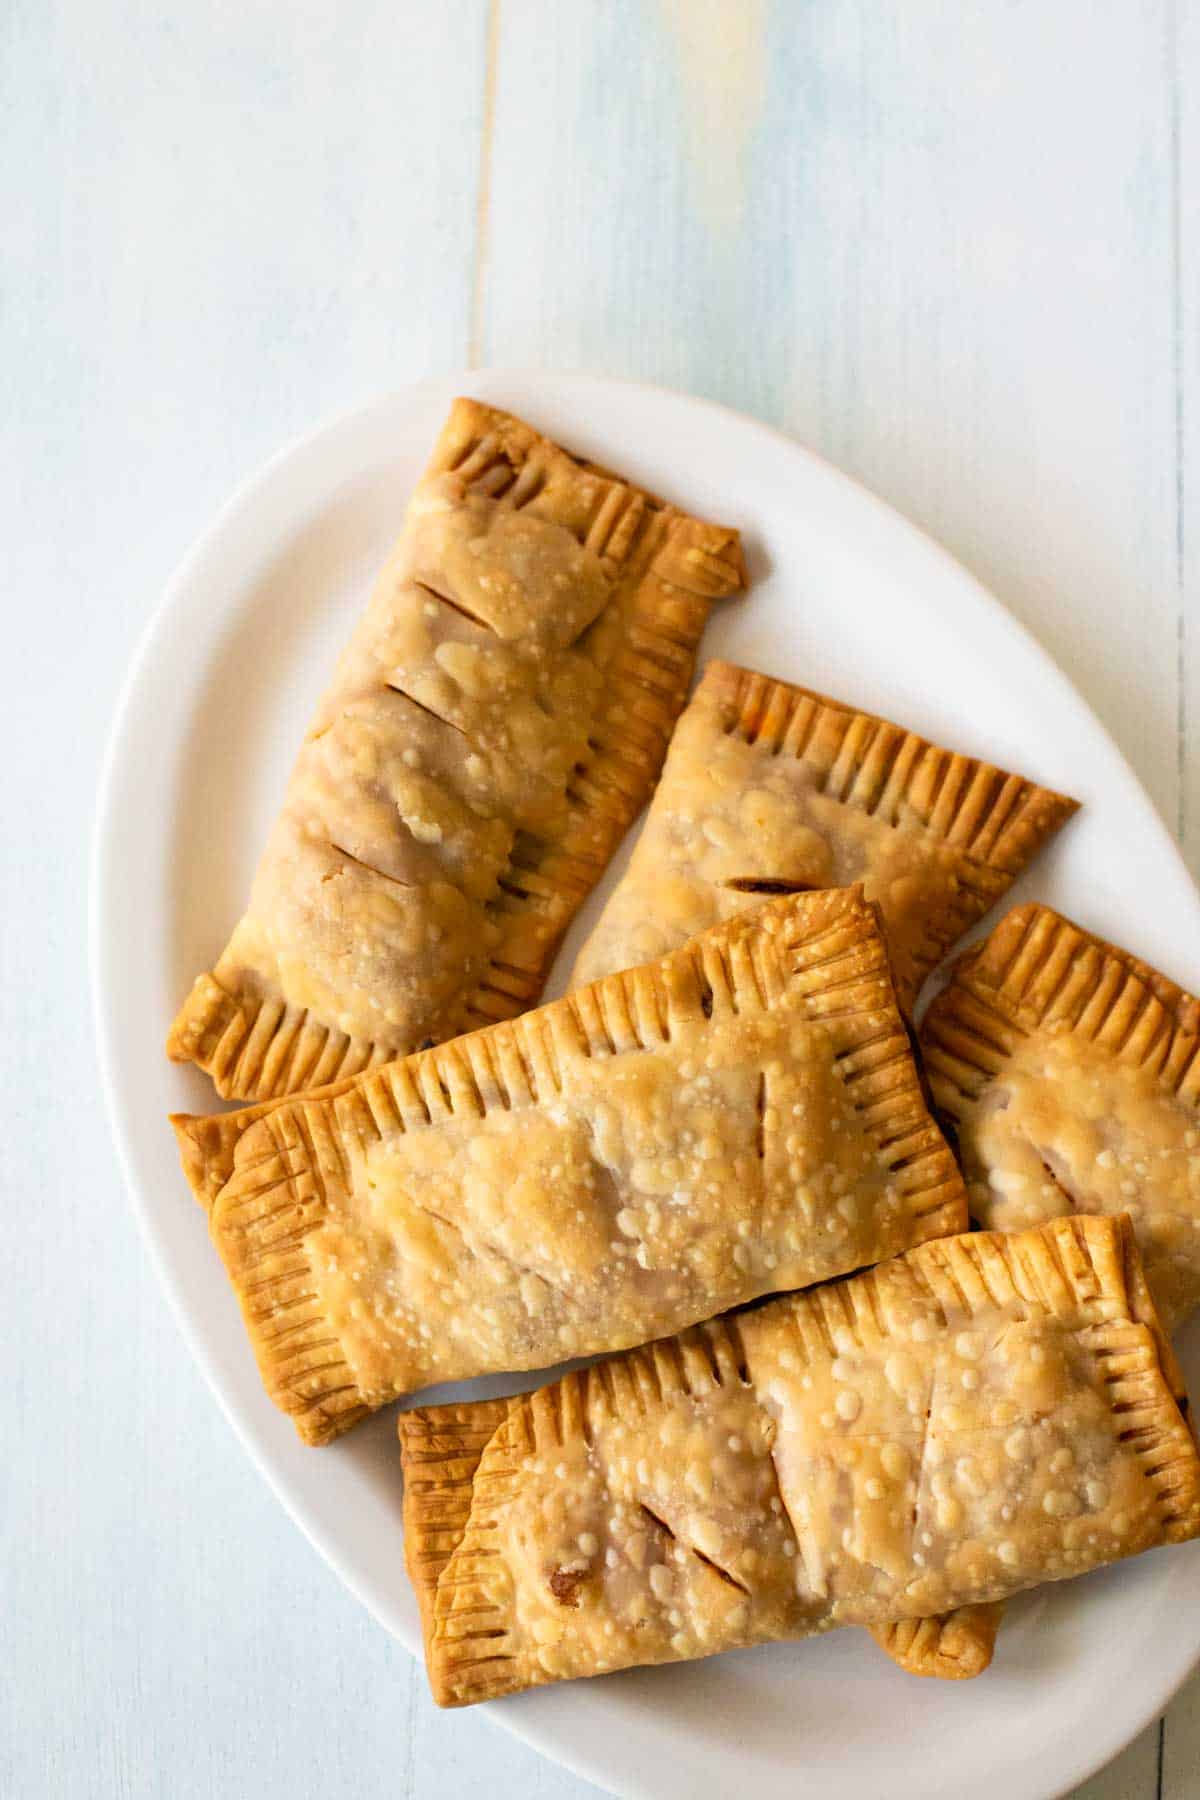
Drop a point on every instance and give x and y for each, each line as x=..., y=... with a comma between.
x=722, y=57
x=483, y=192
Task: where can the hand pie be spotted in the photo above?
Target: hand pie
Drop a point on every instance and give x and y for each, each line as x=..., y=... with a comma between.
x=768, y=788
x=743, y=1116
x=1070, y=1072
x=981, y=1415
x=496, y=721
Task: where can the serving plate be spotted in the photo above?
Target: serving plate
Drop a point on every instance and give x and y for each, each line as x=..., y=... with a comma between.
x=848, y=598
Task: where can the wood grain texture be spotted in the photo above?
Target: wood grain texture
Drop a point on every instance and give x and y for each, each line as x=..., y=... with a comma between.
x=938, y=250
x=952, y=247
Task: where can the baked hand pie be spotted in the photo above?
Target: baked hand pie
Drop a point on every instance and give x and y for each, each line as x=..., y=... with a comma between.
x=769, y=788
x=742, y=1117
x=497, y=719
x=981, y=1415
x=1071, y=1074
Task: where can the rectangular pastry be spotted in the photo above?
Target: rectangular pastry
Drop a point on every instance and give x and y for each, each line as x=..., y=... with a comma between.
x=742, y=1117
x=1069, y=1070
x=981, y=1415
x=768, y=788
x=497, y=719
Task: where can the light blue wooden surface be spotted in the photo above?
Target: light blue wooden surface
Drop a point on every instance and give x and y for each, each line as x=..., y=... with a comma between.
x=954, y=247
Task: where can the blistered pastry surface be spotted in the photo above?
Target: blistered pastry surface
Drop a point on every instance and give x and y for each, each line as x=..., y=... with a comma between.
x=768, y=786
x=494, y=723
x=743, y=1117
x=657, y=1186
x=975, y=1417
x=1069, y=1070
x=1066, y=1127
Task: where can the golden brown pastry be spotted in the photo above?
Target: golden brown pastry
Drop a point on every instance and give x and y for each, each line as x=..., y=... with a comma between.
x=770, y=788
x=741, y=1117
x=494, y=724
x=208, y=1141
x=979, y=1416
x=953, y=1646
x=1069, y=1069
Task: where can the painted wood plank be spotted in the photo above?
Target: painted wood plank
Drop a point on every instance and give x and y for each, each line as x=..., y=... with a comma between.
x=222, y=224
x=1181, y=1745
x=612, y=247
x=1133, y=1775
x=931, y=240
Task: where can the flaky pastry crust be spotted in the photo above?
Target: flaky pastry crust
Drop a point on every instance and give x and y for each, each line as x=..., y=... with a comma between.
x=953, y=1646
x=496, y=721
x=981, y=1415
x=742, y=1117
x=1070, y=1072
x=769, y=788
